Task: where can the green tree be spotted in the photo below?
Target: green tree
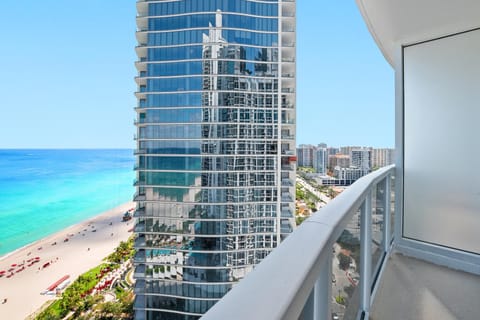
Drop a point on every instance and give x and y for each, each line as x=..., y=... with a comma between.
x=299, y=220
x=110, y=310
x=126, y=301
x=71, y=299
x=340, y=300
x=299, y=193
x=49, y=314
x=123, y=252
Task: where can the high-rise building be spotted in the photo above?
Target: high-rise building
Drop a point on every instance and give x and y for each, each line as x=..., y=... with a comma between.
x=215, y=148
x=305, y=155
x=382, y=157
x=332, y=151
x=341, y=160
x=362, y=159
x=347, y=150
x=322, y=145
x=320, y=160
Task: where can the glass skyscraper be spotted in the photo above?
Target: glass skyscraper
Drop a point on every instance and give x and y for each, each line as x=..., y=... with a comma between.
x=215, y=147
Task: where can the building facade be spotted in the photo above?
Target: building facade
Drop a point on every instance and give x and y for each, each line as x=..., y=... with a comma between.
x=320, y=160
x=340, y=160
x=362, y=159
x=347, y=150
x=305, y=155
x=215, y=148
x=352, y=174
x=382, y=157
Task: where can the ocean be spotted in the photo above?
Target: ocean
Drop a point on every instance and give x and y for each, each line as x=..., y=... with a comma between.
x=43, y=191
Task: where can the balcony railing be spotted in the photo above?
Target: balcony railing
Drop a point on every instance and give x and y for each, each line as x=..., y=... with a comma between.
x=295, y=280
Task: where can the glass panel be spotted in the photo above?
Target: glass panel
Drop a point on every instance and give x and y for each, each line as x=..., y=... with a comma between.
x=238, y=6
x=441, y=206
x=204, y=20
x=228, y=67
x=256, y=54
x=378, y=209
x=346, y=271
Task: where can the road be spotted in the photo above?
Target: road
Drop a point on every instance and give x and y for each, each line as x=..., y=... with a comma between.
x=323, y=197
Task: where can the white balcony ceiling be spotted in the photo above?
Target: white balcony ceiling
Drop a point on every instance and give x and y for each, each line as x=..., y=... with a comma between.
x=402, y=22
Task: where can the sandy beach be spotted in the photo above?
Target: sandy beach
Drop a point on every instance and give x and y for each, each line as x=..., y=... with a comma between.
x=88, y=243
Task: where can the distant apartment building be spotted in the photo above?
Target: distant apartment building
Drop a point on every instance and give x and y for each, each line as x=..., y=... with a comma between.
x=305, y=155
x=352, y=174
x=320, y=160
x=348, y=149
x=341, y=177
x=382, y=157
x=341, y=160
x=332, y=151
x=361, y=158
x=345, y=165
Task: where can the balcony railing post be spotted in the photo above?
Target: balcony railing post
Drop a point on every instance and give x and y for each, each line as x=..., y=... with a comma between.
x=387, y=214
x=317, y=306
x=366, y=252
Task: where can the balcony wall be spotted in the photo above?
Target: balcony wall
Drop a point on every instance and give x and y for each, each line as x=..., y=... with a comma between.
x=434, y=47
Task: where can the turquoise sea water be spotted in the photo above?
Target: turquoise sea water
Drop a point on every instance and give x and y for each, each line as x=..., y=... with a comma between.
x=44, y=191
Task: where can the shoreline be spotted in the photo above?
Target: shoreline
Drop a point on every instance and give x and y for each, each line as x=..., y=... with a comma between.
x=41, y=240
x=72, y=226
x=6, y=255
x=70, y=251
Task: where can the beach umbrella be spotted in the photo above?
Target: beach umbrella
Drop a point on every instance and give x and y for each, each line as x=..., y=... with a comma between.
x=13, y=265
x=37, y=258
x=2, y=272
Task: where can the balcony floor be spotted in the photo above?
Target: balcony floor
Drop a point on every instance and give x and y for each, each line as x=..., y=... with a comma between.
x=414, y=289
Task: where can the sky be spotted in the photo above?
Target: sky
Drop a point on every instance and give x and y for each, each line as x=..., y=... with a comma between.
x=67, y=75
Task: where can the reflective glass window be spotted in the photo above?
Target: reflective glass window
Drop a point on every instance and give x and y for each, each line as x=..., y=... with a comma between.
x=174, y=100
x=174, y=68
x=181, y=22
x=173, y=115
x=176, y=37
x=170, y=163
x=247, y=22
x=233, y=36
x=169, y=178
x=250, y=53
x=175, y=84
x=232, y=52
x=205, y=20
x=175, y=53
x=240, y=6
x=171, y=131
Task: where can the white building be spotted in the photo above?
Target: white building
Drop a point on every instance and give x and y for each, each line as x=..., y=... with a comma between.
x=361, y=158
x=351, y=173
x=382, y=157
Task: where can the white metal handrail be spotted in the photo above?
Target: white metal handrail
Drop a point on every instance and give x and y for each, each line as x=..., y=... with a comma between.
x=296, y=278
